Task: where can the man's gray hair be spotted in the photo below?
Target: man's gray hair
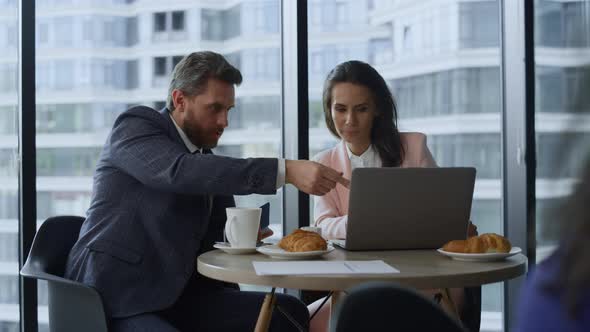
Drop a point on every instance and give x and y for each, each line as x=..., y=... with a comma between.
x=192, y=72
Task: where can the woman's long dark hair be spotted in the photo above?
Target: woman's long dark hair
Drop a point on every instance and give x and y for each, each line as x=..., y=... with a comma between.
x=385, y=136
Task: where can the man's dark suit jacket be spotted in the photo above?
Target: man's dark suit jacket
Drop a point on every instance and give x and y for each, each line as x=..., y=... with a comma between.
x=150, y=212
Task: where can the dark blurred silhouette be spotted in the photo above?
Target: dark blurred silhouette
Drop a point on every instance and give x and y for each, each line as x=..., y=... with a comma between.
x=557, y=294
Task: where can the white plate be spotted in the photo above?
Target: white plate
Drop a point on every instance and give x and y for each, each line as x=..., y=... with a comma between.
x=494, y=256
x=232, y=250
x=275, y=251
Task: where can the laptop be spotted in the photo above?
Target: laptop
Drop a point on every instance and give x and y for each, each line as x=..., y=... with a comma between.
x=408, y=208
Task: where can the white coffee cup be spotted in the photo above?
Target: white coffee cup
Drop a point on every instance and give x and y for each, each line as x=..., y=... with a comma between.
x=241, y=227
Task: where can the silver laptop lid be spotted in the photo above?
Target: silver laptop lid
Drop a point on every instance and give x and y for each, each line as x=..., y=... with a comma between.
x=408, y=208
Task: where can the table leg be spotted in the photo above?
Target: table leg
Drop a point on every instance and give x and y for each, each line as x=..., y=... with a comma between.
x=334, y=300
x=265, y=315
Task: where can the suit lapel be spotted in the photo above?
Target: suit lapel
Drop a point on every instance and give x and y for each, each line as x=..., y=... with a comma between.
x=173, y=132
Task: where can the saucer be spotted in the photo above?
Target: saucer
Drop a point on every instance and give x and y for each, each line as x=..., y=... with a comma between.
x=233, y=250
x=274, y=251
x=487, y=257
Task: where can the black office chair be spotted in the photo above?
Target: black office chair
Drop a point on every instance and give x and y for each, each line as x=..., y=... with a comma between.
x=389, y=307
x=72, y=306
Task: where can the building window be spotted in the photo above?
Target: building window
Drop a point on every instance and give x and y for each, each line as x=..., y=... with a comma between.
x=8, y=126
x=479, y=24
x=559, y=89
x=231, y=23
x=457, y=91
x=178, y=21
x=567, y=166
x=175, y=60
x=381, y=50
x=8, y=210
x=558, y=24
x=9, y=287
x=480, y=150
x=168, y=26
x=160, y=66
x=211, y=25
x=159, y=22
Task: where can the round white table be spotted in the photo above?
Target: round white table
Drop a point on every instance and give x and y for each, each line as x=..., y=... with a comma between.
x=420, y=269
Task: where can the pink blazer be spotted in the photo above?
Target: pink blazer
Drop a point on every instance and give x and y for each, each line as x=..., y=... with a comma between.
x=331, y=210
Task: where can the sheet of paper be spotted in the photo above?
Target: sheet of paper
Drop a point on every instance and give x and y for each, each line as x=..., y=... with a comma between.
x=322, y=267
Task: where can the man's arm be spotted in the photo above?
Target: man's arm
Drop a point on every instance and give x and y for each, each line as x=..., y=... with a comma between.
x=140, y=146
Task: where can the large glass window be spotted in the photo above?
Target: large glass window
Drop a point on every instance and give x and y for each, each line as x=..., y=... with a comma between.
x=442, y=65
x=92, y=65
x=562, y=120
x=9, y=167
x=441, y=60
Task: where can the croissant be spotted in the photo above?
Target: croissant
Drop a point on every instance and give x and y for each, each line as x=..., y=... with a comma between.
x=485, y=243
x=301, y=240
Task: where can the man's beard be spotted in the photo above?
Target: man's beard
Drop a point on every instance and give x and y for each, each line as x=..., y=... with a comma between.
x=198, y=136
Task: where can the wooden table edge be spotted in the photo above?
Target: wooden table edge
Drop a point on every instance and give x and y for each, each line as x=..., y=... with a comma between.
x=313, y=282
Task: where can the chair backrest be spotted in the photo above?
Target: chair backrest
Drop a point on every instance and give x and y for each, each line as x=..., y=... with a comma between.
x=389, y=307
x=53, y=243
x=73, y=306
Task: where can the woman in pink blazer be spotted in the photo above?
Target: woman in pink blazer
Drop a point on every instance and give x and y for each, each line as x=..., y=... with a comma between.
x=330, y=210
x=360, y=110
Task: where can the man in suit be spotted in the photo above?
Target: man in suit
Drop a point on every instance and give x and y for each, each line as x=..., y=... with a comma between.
x=159, y=200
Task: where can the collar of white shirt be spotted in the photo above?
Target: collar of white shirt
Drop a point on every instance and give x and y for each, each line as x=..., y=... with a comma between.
x=187, y=142
x=369, y=158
